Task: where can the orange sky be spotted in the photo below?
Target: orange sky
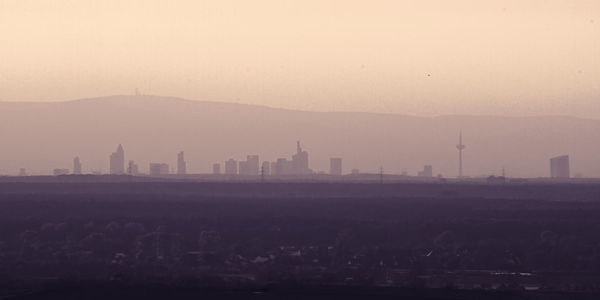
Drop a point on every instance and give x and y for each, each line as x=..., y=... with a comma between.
x=414, y=57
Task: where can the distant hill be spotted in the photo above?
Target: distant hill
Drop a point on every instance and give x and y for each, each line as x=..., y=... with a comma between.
x=44, y=136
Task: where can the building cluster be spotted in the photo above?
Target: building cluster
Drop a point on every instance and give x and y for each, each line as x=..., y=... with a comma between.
x=117, y=165
x=298, y=165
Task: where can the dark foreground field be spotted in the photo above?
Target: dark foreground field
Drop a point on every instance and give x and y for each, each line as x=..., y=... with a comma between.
x=299, y=240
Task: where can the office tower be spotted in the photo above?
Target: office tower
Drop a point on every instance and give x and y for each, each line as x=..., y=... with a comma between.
x=460, y=148
x=231, y=167
x=58, y=172
x=181, y=165
x=427, y=171
x=76, y=166
x=283, y=167
x=265, y=168
x=250, y=166
x=216, y=168
x=117, y=161
x=132, y=168
x=300, y=161
x=559, y=167
x=335, y=166
x=159, y=169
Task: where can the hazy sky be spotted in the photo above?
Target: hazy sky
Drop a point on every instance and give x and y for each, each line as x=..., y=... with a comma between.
x=512, y=57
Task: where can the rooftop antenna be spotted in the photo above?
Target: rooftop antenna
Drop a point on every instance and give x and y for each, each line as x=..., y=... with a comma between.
x=460, y=148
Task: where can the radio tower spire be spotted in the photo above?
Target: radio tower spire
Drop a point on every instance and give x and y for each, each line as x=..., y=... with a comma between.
x=460, y=148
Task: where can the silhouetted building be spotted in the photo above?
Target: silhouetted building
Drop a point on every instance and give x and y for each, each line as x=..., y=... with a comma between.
x=300, y=161
x=283, y=167
x=250, y=166
x=76, y=166
x=335, y=166
x=132, y=168
x=231, y=167
x=427, y=171
x=460, y=148
x=559, y=167
x=216, y=168
x=117, y=161
x=159, y=169
x=355, y=171
x=58, y=172
x=265, y=168
x=496, y=179
x=181, y=165
x=23, y=172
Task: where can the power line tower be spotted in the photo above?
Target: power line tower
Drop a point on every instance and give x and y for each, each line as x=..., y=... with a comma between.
x=460, y=148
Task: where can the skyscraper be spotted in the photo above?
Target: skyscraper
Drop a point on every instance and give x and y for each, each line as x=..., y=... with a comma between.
x=117, y=161
x=132, y=168
x=231, y=167
x=460, y=148
x=265, y=168
x=300, y=161
x=181, y=165
x=250, y=166
x=216, y=168
x=559, y=167
x=335, y=166
x=76, y=166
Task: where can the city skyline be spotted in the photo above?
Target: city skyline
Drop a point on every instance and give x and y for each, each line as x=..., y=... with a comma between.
x=298, y=166
x=404, y=143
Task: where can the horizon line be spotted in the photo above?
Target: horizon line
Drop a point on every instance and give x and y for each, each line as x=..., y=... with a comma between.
x=50, y=102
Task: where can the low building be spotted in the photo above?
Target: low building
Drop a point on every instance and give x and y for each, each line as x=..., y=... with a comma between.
x=159, y=169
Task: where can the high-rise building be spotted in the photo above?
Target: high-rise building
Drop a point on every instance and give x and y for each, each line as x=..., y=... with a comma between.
x=300, y=161
x=181, y=165
x=117, y=161
x=559, y=167
x=335, y=166
x=427, y=171
x=76, y=166
x=132, y=168
x=250, y=166
x=231, y=167
x=265, y=168
x=159, y=169
x=283, y=167
x=216, y=168
x=460, y=148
